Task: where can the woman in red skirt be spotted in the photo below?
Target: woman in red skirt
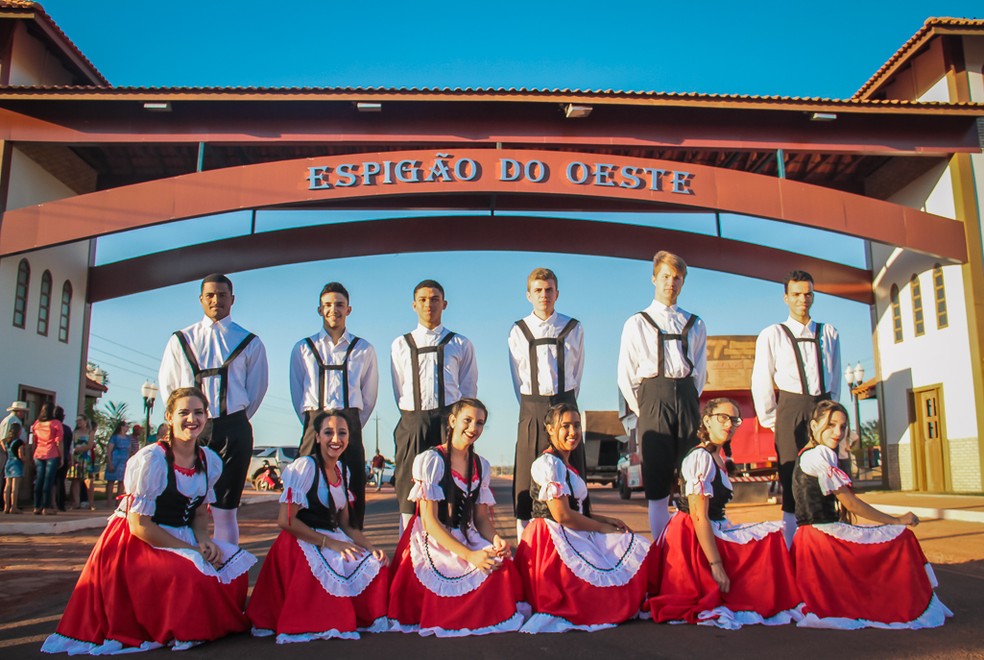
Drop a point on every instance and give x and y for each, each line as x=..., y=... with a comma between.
x=322, y=577
x=453, y=574
x=155, y=577
x=580, y=572
x=854, y=576
x=711, y=571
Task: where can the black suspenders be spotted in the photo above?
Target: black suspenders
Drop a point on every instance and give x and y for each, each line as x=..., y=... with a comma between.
x=415, y=363
x=661, y=337
x=222, y=371
x=547, y=341
x=324, y=368
x=816, y=339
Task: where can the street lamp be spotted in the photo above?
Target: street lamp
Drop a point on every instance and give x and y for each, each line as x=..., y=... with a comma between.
x=149, y=392
x=854, y=377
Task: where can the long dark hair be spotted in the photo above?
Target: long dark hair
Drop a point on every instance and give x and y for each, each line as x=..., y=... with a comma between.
x=451, y=495
x=703, y=436
x=172, y=401
x=821, y=416
x=553, y=416
x=44, y=414
x=319, y=461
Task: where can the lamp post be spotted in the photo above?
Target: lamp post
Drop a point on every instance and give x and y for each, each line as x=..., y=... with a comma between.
x=854, y=377
x=149, y=392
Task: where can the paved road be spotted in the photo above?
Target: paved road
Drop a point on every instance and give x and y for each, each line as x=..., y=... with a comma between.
x=37, y=575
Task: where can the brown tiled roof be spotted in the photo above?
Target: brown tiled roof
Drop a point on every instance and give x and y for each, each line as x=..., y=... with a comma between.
x=930, y=28
x=35, y=10
x=510, y=94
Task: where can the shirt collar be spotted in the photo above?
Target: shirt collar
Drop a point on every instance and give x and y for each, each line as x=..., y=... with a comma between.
x=222, y=325
x=798, y=327
x=533, y=319
x=323, y=336
x=657, y=306
x=438, y=331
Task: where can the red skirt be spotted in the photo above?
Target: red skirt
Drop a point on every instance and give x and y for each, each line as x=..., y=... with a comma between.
x=495, y=605
x=856, y=577
x=131, y=596
x=763, y=584
x=291, y=601
x=561, y=600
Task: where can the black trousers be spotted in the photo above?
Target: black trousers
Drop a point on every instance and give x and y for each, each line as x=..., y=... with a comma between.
x=669, y=416
x=531, y=441
x=792, y=433
x=231, y=437
x=416, y=431
x=354, y=459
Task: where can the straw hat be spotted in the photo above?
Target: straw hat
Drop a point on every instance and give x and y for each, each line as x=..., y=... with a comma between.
x=18, y=405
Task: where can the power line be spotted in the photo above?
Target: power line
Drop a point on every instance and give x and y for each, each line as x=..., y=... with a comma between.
x=155, y=358
x=120, y=357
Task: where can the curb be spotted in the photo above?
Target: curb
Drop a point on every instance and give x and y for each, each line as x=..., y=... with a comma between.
x=89, y=522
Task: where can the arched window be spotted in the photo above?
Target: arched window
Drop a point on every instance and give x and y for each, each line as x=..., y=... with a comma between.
x=896, y=313
x=66, y=312
x=917, y=308
x=20, y=297
x=44, y=303
x=939, y=292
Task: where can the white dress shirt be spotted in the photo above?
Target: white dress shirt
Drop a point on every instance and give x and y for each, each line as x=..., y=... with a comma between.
x=362, y=373
x=638, y=358
x=212, y=343
x=775, y=365
x=546, y=356
x=460, y=369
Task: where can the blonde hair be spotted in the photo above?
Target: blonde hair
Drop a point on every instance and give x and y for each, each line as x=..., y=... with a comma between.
x=671, y=260
x=544, y=274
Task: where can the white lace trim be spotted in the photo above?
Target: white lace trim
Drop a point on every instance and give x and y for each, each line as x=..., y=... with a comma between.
x=441, y=571
x=56, y=643
x=732, y=533
x=866, y=534
x=379, y=625
x=934, y=617
x=821, y=462
x=512, y=624
x=727, y=619
x=601, y=560
x=235, y=560
x=542, y=622
x=337, y=575
x=425, y=491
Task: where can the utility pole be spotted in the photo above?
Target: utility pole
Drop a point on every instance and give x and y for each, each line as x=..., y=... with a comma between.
x=377, y=432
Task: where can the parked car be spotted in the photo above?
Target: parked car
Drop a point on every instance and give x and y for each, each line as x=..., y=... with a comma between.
x=279, y=457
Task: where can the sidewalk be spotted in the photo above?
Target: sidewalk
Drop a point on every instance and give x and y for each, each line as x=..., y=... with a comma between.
x=78, y=519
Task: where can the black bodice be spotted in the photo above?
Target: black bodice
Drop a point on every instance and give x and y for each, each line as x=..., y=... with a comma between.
x=173, y=508
x=317, y=515
x=457, y=509
x=812, y=506
x=722, y=494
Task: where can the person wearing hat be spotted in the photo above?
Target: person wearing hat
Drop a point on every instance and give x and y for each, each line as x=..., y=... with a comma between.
x=16, y=412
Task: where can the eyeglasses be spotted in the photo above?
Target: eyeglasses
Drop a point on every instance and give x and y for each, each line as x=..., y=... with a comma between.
x=722, y=419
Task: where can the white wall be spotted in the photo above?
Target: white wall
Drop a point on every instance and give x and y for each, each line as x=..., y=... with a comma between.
x=33, y=64
x=28, y=358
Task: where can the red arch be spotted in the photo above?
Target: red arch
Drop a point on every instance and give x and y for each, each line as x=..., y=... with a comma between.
x=286, y=183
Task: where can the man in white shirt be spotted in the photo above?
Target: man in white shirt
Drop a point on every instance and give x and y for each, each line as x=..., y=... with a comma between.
x=662, y=369
x=432, y=369
x=229, y=364
x=546, y=358
x=802, y=359
x=335, y=370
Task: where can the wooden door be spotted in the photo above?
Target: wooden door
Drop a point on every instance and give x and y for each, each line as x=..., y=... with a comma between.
x=928, y=452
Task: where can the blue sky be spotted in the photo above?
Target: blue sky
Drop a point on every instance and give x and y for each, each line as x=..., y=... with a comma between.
x=761, y=48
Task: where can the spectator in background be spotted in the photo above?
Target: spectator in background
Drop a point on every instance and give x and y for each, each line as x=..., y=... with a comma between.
x=82, y=466
x=163, y=433
x=66, y=459
x=378, y=463
x=117, y=454
x=136, y=439
x=47, y=432
x=14, y=470
x=16, y=413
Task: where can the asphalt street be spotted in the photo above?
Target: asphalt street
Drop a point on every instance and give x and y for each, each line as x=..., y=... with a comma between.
x=37, y=574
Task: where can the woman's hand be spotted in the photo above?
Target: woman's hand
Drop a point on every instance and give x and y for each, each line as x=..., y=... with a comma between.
x=720, y=576
x=348, y=551
x=210, y=552
x=380, y=556
x=500, y=546
x=909, y=519
x=484, y=560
